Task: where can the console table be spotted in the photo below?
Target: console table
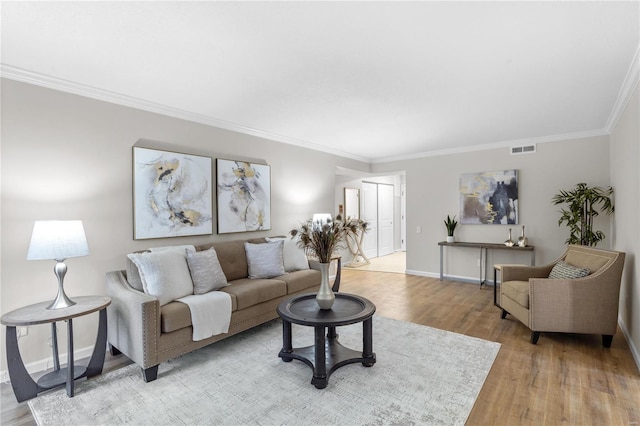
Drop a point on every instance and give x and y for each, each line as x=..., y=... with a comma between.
x=483, y=248
x=24, y=387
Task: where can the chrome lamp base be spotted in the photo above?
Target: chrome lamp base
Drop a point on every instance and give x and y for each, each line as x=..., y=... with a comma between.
x=61, y=301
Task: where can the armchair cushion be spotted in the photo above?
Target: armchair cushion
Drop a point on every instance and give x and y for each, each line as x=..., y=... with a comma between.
x=518, y=291
x=563, y=270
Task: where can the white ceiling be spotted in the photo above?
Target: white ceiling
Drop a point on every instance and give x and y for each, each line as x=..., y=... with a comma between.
x=368, y=80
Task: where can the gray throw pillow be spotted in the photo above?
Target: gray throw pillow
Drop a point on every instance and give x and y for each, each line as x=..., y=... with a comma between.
x=562, y=270
x=206, y=272
x=265, y=260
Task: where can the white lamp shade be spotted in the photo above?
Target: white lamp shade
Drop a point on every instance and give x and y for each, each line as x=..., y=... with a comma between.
x=321, y=217
x=57, y=239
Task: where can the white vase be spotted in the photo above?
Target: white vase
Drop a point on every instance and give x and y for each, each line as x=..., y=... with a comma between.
x=451, y=239
x=325, y=296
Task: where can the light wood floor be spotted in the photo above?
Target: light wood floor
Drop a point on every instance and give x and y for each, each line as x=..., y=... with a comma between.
x=394, y=262
x=564, y=379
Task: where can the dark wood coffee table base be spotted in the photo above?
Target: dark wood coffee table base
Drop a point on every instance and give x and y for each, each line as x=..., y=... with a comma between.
x=327, y=354
x=332, y=356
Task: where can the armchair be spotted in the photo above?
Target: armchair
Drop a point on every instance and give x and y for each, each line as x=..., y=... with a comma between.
x=587, y=305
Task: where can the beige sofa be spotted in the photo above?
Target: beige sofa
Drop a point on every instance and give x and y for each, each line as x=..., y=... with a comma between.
x=587, y=305
x=150, y=334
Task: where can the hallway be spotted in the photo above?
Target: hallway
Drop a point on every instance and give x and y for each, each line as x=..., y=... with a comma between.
x=395, y=262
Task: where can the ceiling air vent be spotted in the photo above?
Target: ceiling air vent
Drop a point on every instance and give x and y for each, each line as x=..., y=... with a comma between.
x=524, y=149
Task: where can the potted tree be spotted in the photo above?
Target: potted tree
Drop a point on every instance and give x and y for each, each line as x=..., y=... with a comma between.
x=451, y=224
x=584, y=203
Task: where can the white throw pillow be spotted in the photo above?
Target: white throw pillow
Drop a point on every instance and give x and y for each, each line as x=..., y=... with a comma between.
x=265, y=260
x=294, y=257
x=164, y=274
x=206, y=272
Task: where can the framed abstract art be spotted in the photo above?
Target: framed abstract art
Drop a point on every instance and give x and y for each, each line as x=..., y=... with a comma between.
x=244, y=196
x=172, y=194
x=489, y=198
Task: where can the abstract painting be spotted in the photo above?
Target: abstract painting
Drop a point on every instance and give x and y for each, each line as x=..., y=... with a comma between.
x=489, y=198
x=172, y=194
x=244, y=196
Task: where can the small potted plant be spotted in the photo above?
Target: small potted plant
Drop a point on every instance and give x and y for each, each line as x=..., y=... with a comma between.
x=451, y=224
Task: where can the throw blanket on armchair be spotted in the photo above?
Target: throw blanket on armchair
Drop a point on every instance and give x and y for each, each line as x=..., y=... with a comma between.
x=210, y=313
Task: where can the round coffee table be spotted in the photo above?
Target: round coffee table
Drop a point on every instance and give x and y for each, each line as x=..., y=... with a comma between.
x=327, y=355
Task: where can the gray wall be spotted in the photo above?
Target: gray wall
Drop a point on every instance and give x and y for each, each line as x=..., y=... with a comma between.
x=625, y=178
x=433, y=192
x=69, y=157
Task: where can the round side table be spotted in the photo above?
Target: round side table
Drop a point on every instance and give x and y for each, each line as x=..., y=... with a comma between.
x=327, y=355
x=24, y=387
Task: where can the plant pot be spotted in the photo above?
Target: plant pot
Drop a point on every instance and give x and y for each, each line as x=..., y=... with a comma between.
x=325, y=296
x=451, y=239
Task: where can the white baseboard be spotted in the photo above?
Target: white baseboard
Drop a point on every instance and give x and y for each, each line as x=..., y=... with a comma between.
x=634, y=351
x=461, y=278
x=42, y=365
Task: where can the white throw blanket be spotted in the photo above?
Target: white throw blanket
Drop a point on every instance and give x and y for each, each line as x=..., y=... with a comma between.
x=210, y=313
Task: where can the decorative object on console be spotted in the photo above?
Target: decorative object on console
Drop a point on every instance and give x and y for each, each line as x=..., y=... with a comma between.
x=583, y=201
x=451, y=224
x=171, y=194
x=244, y=196
x=58, y=240
x=522, y=241
x=489, y=198
x=509, y=242
x=320, y=237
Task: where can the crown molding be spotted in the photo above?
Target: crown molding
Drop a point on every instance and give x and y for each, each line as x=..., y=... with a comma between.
x=631, y=81
x=497, y=145
x=49, y=82
x=626, y=91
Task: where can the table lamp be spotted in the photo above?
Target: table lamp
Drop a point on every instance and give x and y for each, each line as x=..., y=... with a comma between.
x=319, y=219
x=58, y=240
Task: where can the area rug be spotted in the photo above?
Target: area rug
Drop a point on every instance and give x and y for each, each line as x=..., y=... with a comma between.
x=422, y=376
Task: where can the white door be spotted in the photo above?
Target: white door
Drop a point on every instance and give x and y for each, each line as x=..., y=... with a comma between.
x=369, y=211
x=385, y=219
x=403, y=217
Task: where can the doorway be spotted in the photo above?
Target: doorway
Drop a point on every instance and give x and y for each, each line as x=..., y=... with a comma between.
x=377, y=211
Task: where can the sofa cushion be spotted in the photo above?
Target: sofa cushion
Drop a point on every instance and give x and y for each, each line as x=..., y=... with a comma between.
x=164, y=274
x=265, y=260
x=174, y=316
x=294, y=256
x=232, y=258
x=206, y=272
x=249, y=292
x=301, y=280
x=563, y=270
x=518, y=291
